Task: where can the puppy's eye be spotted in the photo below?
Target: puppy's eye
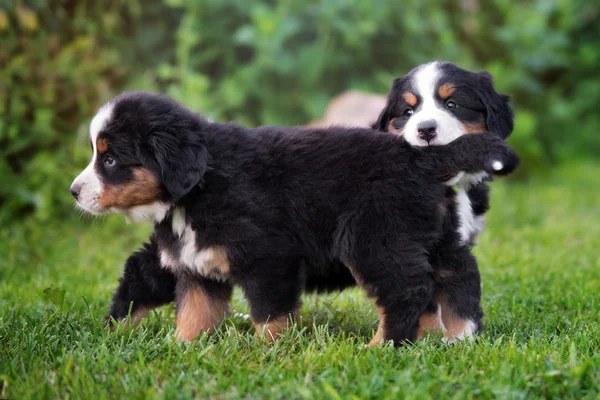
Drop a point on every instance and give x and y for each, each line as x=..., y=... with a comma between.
x=408, y=112
x=109, y=161
x=451, y=104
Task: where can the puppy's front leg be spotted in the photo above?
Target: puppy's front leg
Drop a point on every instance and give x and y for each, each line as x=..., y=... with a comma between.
x=143, y=286
x=401, y=282
x=201, y=305
x=458, y=291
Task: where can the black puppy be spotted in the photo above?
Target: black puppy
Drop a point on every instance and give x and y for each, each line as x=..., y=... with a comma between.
x=260, y=207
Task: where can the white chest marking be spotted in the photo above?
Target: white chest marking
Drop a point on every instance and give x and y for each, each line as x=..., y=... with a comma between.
x=466, y=218
x=155, y=212
x=210, y=262
x=469, y=225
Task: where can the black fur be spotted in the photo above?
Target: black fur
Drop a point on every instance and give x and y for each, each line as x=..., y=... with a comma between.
x=287, y=202
x=144, y=284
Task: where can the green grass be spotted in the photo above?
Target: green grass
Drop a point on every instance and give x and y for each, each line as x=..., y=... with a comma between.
x=539, y=259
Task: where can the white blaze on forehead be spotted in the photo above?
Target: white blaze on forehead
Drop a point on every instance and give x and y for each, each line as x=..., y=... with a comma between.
x=425, y=83
x=88, y=180
x=99, y=122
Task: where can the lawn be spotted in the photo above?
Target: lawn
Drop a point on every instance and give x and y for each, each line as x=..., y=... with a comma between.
x=539, y=259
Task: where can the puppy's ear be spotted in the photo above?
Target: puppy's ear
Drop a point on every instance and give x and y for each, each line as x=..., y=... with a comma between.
x=499, y=114
x=399, y=86
x=383, y=120
x=181, y=161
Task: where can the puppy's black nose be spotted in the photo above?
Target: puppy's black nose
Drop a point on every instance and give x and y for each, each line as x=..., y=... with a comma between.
x=427, y=130
x=75, y=190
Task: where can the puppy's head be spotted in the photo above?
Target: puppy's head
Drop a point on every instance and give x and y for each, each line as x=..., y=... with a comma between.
x=146, y=155
x=436, y=103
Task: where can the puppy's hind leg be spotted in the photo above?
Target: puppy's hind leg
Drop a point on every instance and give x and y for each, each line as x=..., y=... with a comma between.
x=273, y=288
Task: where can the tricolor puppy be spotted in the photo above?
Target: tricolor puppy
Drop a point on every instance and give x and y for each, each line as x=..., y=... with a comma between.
x=435, y=104
x=264, y=208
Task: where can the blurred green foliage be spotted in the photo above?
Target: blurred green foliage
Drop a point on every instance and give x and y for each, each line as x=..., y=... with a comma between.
x=276, y=62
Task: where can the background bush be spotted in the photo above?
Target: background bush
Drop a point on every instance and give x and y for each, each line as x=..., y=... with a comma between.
x=275, y=62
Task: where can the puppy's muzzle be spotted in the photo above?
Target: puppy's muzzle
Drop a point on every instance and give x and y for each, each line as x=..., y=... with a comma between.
x=427, y=130
x=75, y=189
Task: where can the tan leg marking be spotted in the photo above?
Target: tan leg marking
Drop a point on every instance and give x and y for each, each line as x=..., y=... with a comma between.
x=198, y=313
x=274, y=328
x=134, y=320
x=457, y=328
x=138, y=315
x=378, y=338
x=431, y=323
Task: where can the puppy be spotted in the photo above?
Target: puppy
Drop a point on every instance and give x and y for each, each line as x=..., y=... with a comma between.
x=433, y=105
x=262, y=208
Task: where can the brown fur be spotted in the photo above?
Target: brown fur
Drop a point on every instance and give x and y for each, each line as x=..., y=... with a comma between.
x=393, y=130
x=101, y=145
x=445, y=273
x=410, y=98
x=198, y=313
x=378, y=338
x=143, y=189
x=272, y=329
x=454, y=324
x=431, y=323
x=219, y=262
x=475, y=127
x=446, y=90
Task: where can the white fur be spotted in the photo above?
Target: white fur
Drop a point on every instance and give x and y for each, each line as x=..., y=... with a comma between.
x=468, y=180
x=88, y=180
x=155, y=212
x=168, y=260
x=200, y=261
x=469, y=225
x=448, y=127
x=178, y=222
x=455, y=180
x=467, y=333
x=465, y=215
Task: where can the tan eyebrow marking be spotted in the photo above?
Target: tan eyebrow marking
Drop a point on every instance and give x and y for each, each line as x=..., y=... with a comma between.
x=101, y=145
x=410, y=98
x=446, y=90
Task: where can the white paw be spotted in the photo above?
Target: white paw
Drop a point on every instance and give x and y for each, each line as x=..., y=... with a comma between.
x=497, y=165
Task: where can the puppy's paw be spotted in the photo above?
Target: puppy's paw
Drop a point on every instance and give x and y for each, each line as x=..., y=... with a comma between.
x=503, y=163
